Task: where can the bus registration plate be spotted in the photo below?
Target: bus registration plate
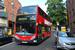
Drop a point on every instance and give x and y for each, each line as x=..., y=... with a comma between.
x=24, y=42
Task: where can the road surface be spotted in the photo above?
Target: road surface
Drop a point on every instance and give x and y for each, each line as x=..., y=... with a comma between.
x=48, y=44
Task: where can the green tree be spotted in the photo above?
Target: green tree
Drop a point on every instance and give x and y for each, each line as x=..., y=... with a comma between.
x=55, y=10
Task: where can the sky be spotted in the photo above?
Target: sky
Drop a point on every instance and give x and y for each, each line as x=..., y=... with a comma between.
x=41, y=3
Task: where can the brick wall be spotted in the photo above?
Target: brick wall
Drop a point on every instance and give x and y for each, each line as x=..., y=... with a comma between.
x=8, y=8
x=71, y=14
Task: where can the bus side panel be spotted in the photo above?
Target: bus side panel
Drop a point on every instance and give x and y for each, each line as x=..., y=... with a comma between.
x=40, y=20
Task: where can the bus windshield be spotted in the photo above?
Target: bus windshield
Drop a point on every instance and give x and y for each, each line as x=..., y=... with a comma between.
x=25, y=29
x=27, y=10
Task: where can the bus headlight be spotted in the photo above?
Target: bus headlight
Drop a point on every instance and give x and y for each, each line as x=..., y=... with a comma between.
x=16, y=37
x=32, y=37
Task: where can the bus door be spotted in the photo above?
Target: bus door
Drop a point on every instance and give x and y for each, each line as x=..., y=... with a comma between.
x=39, y=32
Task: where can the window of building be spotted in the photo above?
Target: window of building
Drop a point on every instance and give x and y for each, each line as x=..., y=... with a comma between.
x=1, y=0
x=70, y=14
x=10, y=13
x=69, y=4
x=12, y=3
x=73, y=12
x=71, y=25
x=1, y=8
x=72, y=1
x=12, y=17
x=19, y=4
x=13, y=9
x=74, y=25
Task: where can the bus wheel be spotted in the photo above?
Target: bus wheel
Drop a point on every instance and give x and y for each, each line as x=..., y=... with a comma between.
x=0, y=43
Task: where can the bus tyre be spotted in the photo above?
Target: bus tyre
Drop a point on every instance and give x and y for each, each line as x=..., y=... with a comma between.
x=0, y=43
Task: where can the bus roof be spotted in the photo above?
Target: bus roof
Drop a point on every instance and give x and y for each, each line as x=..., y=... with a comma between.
x=33, y=13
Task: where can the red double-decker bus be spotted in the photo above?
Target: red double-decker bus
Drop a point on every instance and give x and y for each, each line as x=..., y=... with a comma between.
x=32, y=25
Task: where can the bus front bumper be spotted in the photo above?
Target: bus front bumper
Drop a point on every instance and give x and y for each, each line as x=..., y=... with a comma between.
x=23, y=41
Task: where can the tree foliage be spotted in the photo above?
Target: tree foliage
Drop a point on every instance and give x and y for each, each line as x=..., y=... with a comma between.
x=55, y=10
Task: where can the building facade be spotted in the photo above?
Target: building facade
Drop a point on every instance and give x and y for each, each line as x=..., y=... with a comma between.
x=65, y=11
x=71, y=14
x=8, y=12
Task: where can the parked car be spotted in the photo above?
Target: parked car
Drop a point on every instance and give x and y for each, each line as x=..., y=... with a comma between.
x=65, y=40
x=4, y=38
